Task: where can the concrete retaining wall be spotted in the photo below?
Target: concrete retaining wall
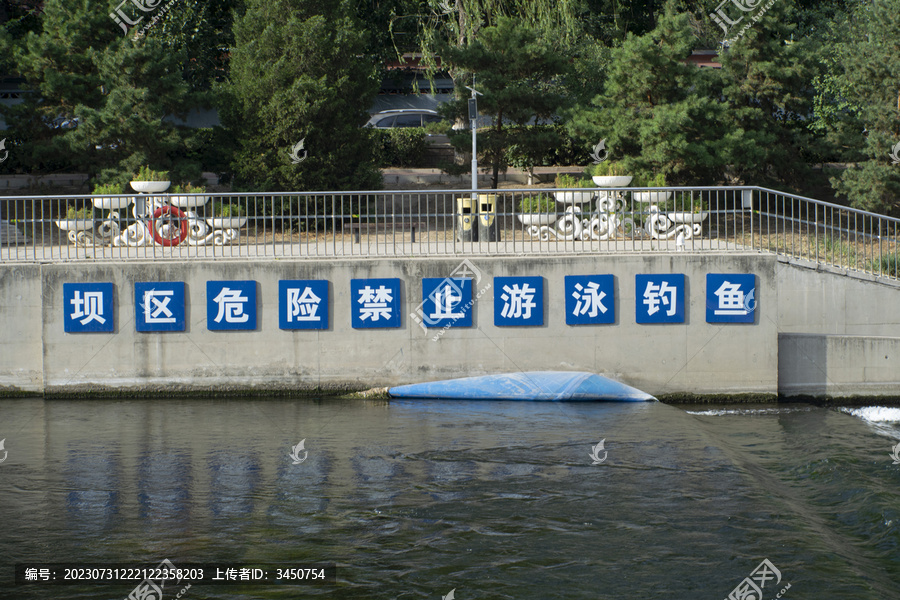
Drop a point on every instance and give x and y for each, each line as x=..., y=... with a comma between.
x=815, y=333
x=694, y=357
x=839, y=333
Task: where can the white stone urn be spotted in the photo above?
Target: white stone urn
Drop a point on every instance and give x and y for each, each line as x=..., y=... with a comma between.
x=191, y=201
x=647, y=197
x=612, y=180
x=75, y=224
x=687, y=217
x=574, y=197
x=111, y=202
x=537, y=218
x=150, y=187
x=227, y=222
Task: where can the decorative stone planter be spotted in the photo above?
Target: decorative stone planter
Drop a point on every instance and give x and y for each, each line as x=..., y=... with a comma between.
x=188, y=201
x=150, y=187
x=111, y=203
x=227, y=222
x=612, y=180
x=687, y=217
x=75, y=224
x=574, y=197
x=537, y=218
x=651, y=197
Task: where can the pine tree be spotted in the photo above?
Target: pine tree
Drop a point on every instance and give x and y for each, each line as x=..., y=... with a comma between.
x=658, y=114
x=299, y=72
x=57, y=63
x=98, y=100
x=142, y=85
x=767, y=77
x=871, y=81
x=519, y=75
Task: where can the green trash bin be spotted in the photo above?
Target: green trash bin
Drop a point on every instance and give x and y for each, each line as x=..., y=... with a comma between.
x=466, y=228
x=487, y=218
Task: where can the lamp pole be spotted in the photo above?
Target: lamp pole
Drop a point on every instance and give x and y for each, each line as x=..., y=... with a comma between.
x=473, y=119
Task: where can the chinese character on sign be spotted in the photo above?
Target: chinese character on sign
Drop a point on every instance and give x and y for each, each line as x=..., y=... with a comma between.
x=88, y=307
x=659, y=298
x=590, y=299
x=230, y=305
x=303, y=304
x=159, y=306
x=730, y=298
x=375, y=302
x=518, y=301
x=447, y=302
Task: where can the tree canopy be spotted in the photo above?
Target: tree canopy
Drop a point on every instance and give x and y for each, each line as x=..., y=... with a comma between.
x=801, y=85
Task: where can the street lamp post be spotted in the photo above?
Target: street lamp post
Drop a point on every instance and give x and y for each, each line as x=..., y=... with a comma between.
x=473, y=119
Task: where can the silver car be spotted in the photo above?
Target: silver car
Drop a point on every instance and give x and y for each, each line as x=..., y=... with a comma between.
x=404, y=117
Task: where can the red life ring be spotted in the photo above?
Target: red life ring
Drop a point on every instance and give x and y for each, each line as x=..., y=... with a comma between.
x=173, y=213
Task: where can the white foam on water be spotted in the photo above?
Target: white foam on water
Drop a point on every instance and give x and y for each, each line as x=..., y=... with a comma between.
x=875, y=414
x=719, y=412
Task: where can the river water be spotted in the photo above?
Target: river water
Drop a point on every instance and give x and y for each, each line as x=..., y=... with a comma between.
x=493, y=500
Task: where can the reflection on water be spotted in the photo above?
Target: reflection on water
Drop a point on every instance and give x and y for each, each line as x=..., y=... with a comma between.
x=92, y=479
x=494, y=499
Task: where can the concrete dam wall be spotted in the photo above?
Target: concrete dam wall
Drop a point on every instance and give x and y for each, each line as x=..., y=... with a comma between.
x=669, y=324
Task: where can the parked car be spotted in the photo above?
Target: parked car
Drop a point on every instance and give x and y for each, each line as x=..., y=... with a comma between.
x=404, y=117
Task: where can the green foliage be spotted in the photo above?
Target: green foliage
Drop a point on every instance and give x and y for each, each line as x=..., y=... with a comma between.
x=766, y=77
x=226, y=209
x=300, y=72
x=569, y=181
x=57, y=60
x=870, y=80
x=401, y=146
x=660, y=114
x=519, y=74
x=607, y=168
x=109, y=189
x=539, y=145
x=201, y=34
x=187, y=188
x=542, y=203
x=83, y=213
x=889, y=264
x=645, y=179
x=145, y=173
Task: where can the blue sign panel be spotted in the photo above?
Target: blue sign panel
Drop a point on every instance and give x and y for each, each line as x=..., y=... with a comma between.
x=375, y=303
x=446, y=302
x=230, y=305
x=88, y=308
x=730, y=298
x=159, y=306
x=659, y=298
x=518, y=301
x=303, y=304
x=590, y=299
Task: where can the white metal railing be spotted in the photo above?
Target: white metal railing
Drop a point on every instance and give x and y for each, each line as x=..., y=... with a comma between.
x=446, y=222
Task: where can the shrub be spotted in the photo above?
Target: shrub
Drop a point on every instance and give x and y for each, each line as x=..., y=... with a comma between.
x=228, y=209
x=607, y=168
x=84, y=212
x=401, y=147
x=569, y=181
x=109, y=189
x=147, y=174
x=541, y=203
